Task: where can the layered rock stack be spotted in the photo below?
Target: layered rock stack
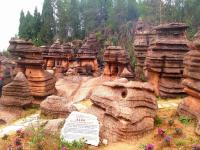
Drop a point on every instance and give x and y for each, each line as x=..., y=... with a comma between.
x=17, y=93
x=87, y=57
x=164, y=60
x=116, y=62
x=93, y=42
x=70, y=55
x=30, y=61
x=45, y=52
x=55, y=56
x=191, y=104
x=143, y=38
x=124, y=109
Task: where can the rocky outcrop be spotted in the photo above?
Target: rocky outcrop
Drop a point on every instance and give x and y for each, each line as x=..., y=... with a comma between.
x=29, y=60
x=142, y=39
x=124, y=109
x=116, y=62
x=56, y=107
x=17, y=93
x=191, y=105
x=87, y=56
x=164, y=60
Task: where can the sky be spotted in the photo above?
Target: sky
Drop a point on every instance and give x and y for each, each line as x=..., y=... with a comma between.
x=10, y=14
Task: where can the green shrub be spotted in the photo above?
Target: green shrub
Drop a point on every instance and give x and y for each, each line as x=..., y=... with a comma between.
x=157, y=121
x=180, y=142
x=185, y=120
x=75, y=145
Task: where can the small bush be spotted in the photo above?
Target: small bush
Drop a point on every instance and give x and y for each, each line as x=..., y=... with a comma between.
x=142, y=146
x=178, y=131
x=161, y=132
x=167, y=140
x=185, y=120
x=171, y=122
x=196, y=147
x=149, y=147
x=157, y=121
x=75, y=145
x=180, y=143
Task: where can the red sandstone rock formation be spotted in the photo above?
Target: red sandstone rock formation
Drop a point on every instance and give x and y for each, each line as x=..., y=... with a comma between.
x=17, y=93
x=143, y=37
x=87, y=55
x=191, y=104
x=56, y=107
x=164, y=60
x=116, y=62
x=29, y=60
x=124, y=109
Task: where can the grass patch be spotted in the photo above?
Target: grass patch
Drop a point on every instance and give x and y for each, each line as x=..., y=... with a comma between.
x=180, y=142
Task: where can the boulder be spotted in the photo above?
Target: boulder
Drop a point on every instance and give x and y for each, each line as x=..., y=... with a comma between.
x=125, y=109
x=56, y=107
x=17, y=93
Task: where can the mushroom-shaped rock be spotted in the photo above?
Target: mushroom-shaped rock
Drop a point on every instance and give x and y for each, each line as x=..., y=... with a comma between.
x=17, y=93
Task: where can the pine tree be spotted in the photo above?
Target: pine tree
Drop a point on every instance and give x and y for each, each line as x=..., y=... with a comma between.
x=75, y=18
x=36, y=28
x=21, y=24
x=48, y=27
x=62, y=15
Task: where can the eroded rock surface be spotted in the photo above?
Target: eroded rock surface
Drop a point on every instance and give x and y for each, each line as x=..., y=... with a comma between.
x=142, y=39
x=117, y=62
x=124, y=109
x=164, y=60
x=56, y=107
x=17, y=93
x=29, y=61
x=191, y=104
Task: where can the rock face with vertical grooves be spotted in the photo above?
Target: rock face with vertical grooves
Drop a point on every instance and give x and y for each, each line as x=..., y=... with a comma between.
x=191, y=104
x=164, y=60
x=125, y=109
x=17, y=93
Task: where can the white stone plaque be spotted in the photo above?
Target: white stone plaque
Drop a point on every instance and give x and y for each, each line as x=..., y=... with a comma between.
x=81, y=125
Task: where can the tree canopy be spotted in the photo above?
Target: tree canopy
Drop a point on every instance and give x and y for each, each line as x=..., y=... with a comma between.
x=73, y=19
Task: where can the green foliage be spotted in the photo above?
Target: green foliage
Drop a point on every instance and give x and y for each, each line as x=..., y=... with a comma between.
x=157, y=121
x=171, y=122
x=73, y=19
x=75, y=145
x=180, y=142
x=142, y=146
x=184, y=120
x=38, y=136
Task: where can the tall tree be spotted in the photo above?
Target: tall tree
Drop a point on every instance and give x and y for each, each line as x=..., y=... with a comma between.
x=48, y=27
x=75, y=18
x=36, y=27
x=62, y=21
x=21, y=24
